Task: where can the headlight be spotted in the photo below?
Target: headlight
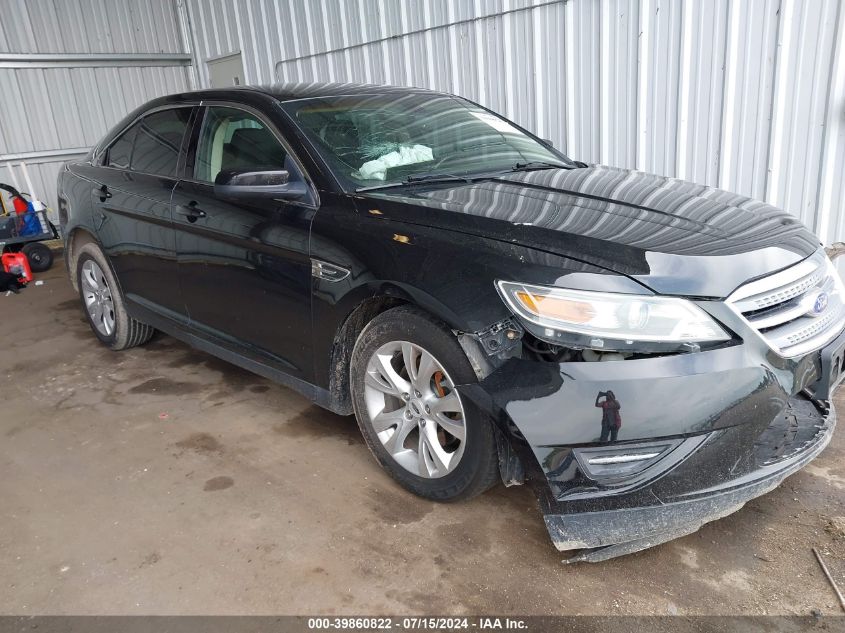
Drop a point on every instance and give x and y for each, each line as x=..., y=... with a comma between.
x=610, y=321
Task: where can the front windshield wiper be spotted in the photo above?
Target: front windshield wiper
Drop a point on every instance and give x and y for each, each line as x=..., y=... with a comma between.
x=387, y=185
x=539, y=164
x=431, y=176
x=468, y=178
x=416, y=178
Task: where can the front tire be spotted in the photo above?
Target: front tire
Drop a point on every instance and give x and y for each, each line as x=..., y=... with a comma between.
x=103, y=302
x=403, y=375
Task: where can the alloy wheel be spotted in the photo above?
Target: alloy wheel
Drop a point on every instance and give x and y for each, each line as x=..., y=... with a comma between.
x=98, y=297
x=414, y=409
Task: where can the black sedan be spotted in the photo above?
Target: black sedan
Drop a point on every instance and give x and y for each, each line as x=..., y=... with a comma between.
x=647, y=353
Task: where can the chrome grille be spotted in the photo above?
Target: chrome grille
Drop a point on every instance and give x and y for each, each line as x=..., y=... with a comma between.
x=783, y=307
x=808, y=332
x=785, y=294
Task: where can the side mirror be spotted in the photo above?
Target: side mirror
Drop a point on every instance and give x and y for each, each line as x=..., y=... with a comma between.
x=233, y=183
x=547, y=141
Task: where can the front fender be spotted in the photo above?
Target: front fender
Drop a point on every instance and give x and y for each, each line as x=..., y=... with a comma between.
x=448, y=273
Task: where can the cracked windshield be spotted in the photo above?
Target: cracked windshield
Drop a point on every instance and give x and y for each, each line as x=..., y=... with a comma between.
x=370, y=141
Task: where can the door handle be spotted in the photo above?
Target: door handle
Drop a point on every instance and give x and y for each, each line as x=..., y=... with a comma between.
x=191, y=212
x=101, y=192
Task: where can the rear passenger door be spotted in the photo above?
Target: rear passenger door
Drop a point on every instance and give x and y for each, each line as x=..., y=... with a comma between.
x=131, y=203
x=244, y=267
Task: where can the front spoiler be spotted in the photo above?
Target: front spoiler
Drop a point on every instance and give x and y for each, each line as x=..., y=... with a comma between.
x=610, y=533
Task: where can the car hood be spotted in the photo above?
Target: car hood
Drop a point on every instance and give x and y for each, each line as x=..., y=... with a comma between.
x=672, y=236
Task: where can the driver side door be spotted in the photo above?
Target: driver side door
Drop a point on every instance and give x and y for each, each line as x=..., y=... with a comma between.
x=244, y=266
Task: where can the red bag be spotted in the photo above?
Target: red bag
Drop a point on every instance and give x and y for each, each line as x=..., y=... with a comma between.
x=20, y=205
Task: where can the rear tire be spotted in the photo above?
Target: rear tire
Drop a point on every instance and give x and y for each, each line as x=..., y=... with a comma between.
x=103, y=302
x=402, y=376
x=39, y=255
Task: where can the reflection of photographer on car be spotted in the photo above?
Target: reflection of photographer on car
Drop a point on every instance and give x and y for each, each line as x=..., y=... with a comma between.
x=610, y=418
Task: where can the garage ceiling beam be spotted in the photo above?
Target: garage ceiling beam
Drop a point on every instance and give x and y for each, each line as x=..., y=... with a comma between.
x=81, y=60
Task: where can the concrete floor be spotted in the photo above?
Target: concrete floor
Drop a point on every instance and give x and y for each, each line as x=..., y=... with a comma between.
x=161, y=480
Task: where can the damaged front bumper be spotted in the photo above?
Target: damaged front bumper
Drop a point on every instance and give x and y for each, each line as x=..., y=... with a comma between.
x=610, y=533
x=701, y=434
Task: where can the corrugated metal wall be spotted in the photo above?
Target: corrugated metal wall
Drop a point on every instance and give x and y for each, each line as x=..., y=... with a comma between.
x=746, y=95
x=70, y=69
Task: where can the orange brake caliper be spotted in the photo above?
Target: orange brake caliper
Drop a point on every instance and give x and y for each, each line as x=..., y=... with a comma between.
x=438, y=376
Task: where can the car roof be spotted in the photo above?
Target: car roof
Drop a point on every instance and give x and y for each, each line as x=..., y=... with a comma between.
x=294, y=91
x=280, y=91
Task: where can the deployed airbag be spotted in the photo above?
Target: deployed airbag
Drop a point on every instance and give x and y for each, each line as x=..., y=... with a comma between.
x=377, y=169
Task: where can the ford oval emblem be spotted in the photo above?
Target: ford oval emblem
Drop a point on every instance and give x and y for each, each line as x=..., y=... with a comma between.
x=821, y=303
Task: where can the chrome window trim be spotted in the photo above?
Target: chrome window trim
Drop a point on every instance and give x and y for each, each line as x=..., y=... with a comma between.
x=99, y=149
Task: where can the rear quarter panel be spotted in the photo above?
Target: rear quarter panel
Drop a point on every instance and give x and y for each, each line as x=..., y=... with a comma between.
x=75, y=207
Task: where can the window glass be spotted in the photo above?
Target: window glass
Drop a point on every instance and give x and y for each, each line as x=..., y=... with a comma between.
x=121, y=150
x=158, y=140
x=231, y=139
x=372, y=139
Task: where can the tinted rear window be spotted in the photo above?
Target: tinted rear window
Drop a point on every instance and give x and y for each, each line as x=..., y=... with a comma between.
x=158, y=140
x=121, y=150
